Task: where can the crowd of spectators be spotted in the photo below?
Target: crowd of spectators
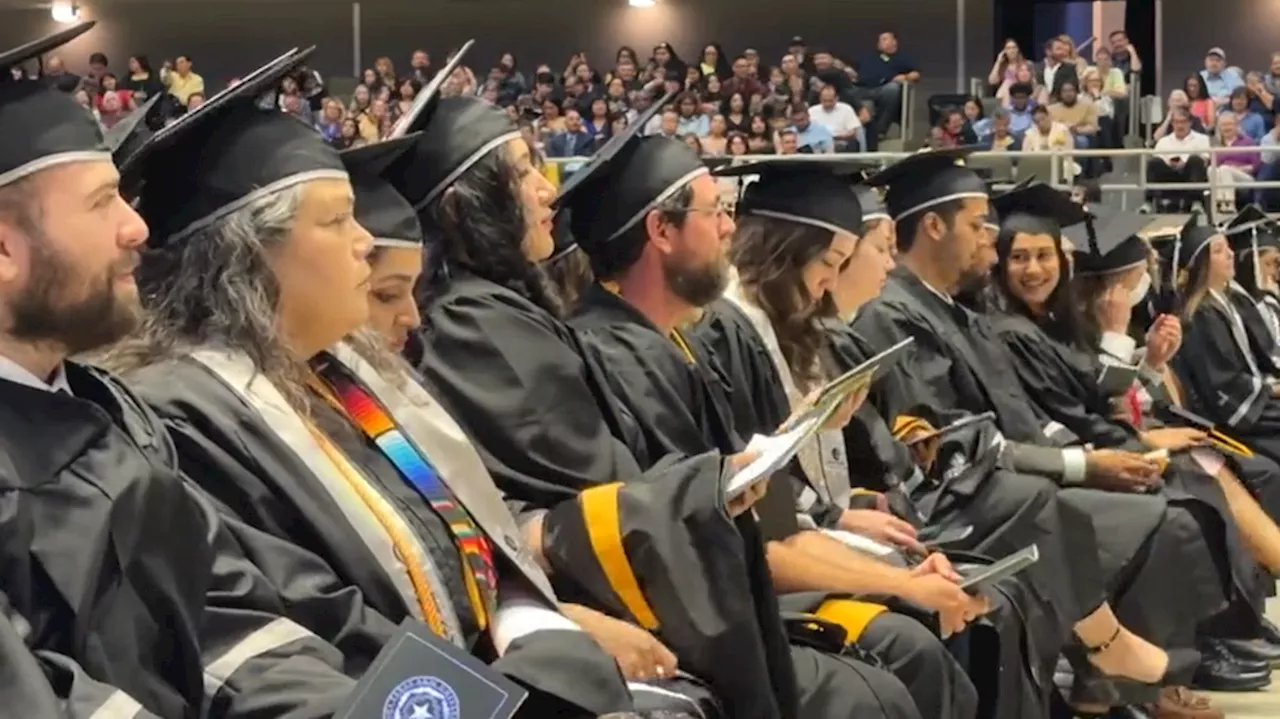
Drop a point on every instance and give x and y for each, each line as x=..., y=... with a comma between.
x=810, y=101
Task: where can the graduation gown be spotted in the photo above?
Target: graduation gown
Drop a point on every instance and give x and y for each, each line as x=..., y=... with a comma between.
x=137, y=594
x=1025, y=644
x=679, y=401
x=654, y=547
x=1225, y=366
x=958, y=363
x=1061, y=378
x=270, y=471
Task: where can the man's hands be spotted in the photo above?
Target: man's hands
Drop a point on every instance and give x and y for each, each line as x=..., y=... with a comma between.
x=935, y=584
x=752, y=494
x=1175, y=439
x=882, y=527
x=1122, y=471
x=639, y=654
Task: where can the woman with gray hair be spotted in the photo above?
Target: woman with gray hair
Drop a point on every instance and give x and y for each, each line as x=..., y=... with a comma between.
x=253, y=354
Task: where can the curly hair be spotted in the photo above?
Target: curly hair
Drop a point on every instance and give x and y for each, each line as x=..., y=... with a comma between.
x=770, y=256
x=217, y=288
x=478, y=226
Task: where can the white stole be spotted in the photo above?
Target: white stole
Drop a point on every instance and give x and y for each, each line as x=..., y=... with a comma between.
x=823, y=460
x=525, y=604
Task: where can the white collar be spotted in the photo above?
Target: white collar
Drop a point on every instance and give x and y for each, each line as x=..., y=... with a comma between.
x=15, y=372
x=941, y=295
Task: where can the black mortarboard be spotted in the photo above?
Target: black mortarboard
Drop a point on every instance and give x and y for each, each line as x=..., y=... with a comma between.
x=43, y=127
x=380, y=209
x=1195, y=236
x=871, y=201
x=562, y=234
x=1107, y=240
x=131, y=132
x=37, y=48
x=814, y=192
x=455, y=134
x=624, y=180
x=224, y=155
x=1250, y=231
x=927, y=179
x=993, y=212
x=1042, y=201
x=1251, y=222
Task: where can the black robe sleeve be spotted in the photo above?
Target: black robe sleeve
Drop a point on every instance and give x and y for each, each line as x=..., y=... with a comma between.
x=44, y=683
x=511, y=375
x=1061, y=392
x=639, y=544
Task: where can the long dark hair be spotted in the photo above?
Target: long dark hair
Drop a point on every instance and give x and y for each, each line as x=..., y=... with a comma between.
x=1065, y=315
x=478, y=226
x=770, y=255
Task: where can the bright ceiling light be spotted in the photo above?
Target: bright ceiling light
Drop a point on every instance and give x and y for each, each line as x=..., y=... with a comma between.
x=65, y=12
x=640, y=3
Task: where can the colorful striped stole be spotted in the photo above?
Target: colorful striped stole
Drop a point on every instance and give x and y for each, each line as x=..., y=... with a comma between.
x=416, y=469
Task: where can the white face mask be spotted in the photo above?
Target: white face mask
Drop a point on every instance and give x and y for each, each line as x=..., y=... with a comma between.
x=1138, y=293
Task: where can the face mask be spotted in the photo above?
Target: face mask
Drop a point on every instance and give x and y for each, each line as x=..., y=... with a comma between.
x=1137, y=294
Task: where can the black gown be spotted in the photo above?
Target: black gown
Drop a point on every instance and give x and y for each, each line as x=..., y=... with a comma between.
x=1140, y=543
x=1031, y=622
x=1226, y=369
x=136, y=593
x=555, y=440
x=1062, y=379
x=271, y=474
x=682, y=409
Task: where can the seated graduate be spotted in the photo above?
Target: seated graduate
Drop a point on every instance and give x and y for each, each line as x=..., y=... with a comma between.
x=1255, y=240
x=302, y=427
x=1005, y=510
x=396, y=265
x=649, y=217
x=960, y=365
x=1226, y=370
x=137, y=598
x=660, y=548
x=1055, y=328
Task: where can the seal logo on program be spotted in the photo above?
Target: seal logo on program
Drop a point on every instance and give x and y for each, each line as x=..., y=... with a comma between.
x=422, y=698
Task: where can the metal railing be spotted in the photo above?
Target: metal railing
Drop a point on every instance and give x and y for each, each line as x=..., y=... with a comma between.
x=1056, y=159
x=1139, y=106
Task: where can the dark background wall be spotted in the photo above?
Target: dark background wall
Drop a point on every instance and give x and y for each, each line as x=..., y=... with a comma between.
x=1249, y=30
x=227, y=37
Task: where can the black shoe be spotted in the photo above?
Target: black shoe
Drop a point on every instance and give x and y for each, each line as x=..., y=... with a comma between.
x=1270, y=632
x=1246, y=662
x=1257, y=651
x=1219, y=672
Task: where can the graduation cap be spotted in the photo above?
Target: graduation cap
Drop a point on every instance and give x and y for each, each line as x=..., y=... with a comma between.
x=624, y=181
x=819, y=193
x=993, y=213
x=131, y=132
x=43, y=127
x=380, y=208
x=224, y=155
x=562, y=234
x=1249, y=232
x=871, y=201
x=454, y=134
x=1195, y=236
x=1107, y=241
x=928, y=179
x=37, y=48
